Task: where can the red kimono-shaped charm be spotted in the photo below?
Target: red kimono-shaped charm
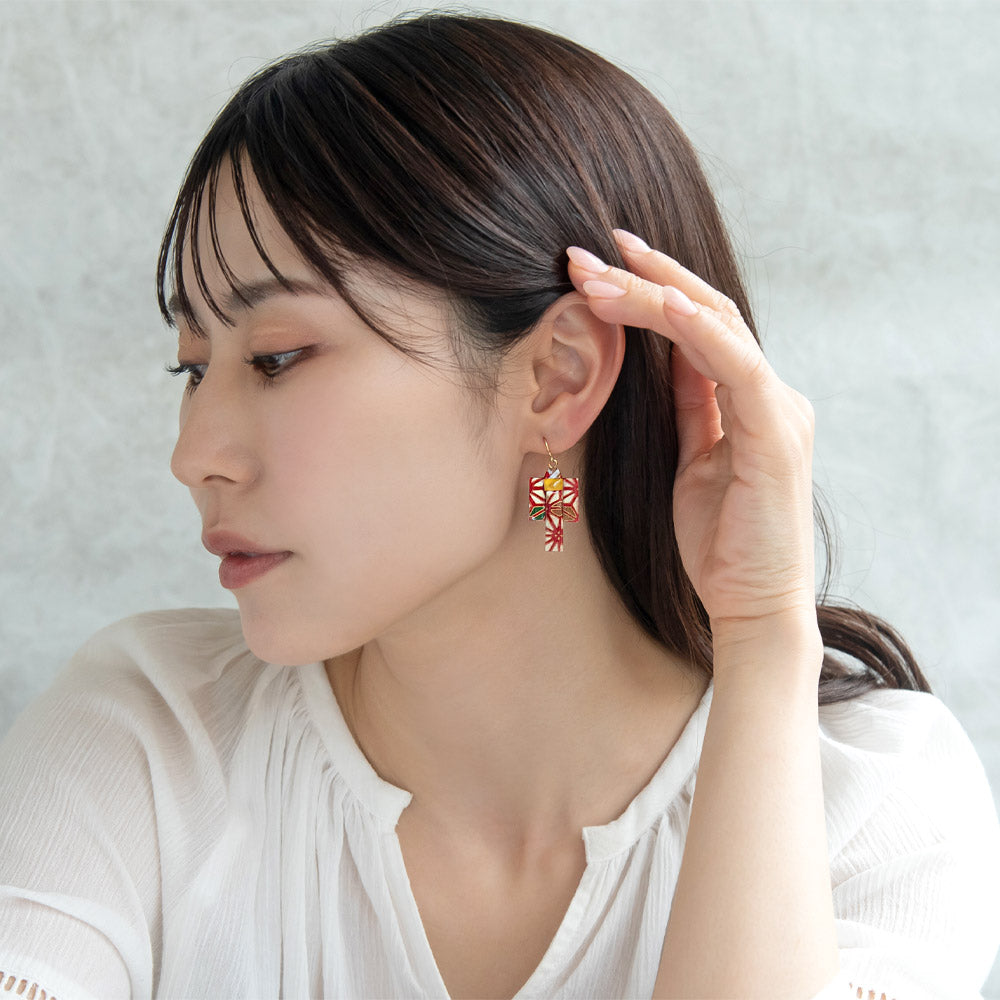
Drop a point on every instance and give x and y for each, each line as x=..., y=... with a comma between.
x=553, y=499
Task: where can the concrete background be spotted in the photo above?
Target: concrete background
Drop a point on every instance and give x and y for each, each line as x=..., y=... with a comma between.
x=855, y=146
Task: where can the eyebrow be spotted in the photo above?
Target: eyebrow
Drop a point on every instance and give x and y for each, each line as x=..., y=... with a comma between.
x=242, y=298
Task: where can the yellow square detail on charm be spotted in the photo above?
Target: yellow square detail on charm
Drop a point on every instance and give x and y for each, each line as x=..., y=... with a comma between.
x=552, y=485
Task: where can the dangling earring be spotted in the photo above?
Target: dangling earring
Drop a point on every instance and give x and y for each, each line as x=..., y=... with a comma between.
x=553, y=499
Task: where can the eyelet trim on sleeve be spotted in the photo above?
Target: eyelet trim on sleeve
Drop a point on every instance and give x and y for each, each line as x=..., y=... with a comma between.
x=870, y=995
x=9, y=983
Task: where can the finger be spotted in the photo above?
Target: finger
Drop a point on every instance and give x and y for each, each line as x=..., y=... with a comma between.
x=659, y=269
x=699, y=420
x=719, y=345
x=657, y=266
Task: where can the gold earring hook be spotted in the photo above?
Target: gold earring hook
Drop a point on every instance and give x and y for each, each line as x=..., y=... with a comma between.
x=553, y=463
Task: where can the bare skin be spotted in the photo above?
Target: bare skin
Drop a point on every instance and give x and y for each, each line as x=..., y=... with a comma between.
x=492, y=885
x=752, y=916
x=519, y=706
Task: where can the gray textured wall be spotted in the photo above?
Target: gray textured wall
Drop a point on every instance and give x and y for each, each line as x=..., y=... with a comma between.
x=856, y=147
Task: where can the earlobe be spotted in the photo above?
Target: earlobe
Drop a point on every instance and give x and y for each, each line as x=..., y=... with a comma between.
x=577, y=362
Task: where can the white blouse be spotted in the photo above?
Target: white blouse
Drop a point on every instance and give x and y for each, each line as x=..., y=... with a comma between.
x=180, y=819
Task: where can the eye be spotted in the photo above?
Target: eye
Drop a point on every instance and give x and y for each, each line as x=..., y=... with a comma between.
x=270, y=366
x=195, y=373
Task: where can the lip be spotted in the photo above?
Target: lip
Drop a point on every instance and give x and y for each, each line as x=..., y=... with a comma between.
x=243, y=560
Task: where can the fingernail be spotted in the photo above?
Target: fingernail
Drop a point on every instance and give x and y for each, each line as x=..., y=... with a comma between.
x=587, y=260
x=631, y=241
x=603, y=290
x=675, y=300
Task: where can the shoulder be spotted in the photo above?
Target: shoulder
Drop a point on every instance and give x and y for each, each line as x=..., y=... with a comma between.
x=113, y=776
x=905, y=746
x=174, y=658
x=142, y=686
x=146, y=713
x=194, y=643
x=888, y=719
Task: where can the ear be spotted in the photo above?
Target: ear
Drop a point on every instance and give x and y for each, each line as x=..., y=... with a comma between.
x=576, y=359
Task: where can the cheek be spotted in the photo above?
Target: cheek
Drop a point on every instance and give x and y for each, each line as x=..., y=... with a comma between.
x=388, y=500
x=396, y=472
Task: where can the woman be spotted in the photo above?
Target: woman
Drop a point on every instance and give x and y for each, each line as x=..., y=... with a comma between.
x=525, y=518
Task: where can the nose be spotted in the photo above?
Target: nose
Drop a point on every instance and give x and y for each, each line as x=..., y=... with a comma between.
x=214, y=443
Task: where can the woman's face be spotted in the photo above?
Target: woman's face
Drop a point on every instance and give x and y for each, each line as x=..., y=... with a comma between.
x=346, y=485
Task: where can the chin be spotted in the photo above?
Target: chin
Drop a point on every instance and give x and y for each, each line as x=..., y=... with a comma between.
x=278, y=641
x=292, y=640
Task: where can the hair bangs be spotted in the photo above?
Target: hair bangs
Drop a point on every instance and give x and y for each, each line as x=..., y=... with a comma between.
x=253, y=135
x=194, y=228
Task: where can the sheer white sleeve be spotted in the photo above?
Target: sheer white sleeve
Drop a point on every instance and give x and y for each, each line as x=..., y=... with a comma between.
x=915, y=848
x=79, y=874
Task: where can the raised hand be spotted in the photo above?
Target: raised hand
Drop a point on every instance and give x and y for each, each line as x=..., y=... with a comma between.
x=755, y=874
x=743, y=491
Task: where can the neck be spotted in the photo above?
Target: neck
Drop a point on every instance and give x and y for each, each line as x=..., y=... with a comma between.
x=522, y=710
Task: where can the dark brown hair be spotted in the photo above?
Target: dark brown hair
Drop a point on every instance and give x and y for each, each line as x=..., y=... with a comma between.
x=465, y=154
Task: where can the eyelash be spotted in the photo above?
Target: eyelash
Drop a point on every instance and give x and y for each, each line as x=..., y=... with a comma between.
x=268, y=366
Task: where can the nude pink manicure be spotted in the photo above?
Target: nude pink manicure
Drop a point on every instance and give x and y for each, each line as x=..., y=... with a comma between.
x=587, y=260
x=631, y=242
x=676, y=301
x=603, y=290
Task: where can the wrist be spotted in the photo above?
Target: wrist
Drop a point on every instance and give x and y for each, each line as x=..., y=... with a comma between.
x=785, y=645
